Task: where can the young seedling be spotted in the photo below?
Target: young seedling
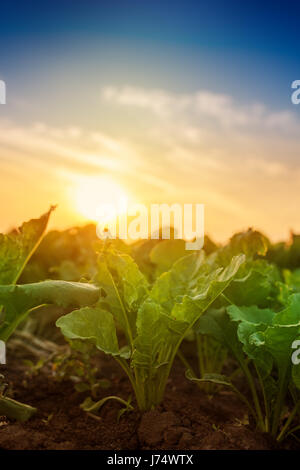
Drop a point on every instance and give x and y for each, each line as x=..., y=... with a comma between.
x=143, y=327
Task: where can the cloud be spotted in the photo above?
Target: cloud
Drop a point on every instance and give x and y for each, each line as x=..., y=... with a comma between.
x=203, y=104
x=241, y=160
x=232, y=156
x=156, y=100
x=63, y=152
x=213, y=129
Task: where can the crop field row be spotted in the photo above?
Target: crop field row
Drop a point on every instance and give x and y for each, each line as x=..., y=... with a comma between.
x=147, y=346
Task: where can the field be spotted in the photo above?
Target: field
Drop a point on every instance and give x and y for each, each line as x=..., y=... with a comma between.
x=146, y=345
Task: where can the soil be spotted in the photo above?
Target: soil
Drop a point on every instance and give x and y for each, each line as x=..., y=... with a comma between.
x=188, y=419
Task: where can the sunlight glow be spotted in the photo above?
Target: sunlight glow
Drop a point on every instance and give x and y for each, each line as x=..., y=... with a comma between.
x=91, y=193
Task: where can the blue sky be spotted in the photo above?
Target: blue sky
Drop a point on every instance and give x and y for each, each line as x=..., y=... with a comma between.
x=128, y=86
x=247, y=50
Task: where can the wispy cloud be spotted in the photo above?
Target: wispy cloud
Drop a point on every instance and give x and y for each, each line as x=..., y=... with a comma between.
x=203, y=104
x=63, y=152
x=234, y=156
x=242, y=161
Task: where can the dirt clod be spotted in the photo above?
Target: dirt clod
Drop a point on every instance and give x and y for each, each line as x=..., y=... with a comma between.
x=153, y=425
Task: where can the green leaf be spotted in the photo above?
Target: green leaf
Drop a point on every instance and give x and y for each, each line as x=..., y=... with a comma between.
x=207, y=288
x=18, y=300
x=264, y=333
x=257, y=284
x=92, y=325
x=154, y=337
x=165, y=253
x=292, y=279
x=251, y=314
x=217, y=379
x=290, y=316
x=216, y=323
x=171, y=286
x=124, y=288
x=17, y=247
x=93, y=407
x=252, y=320
x=16, y=410
x=250, y=243
x=277, y=338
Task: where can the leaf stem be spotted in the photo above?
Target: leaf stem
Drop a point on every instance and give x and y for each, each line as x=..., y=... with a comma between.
x=185, y=362
x=260, y=419
x=288, y=422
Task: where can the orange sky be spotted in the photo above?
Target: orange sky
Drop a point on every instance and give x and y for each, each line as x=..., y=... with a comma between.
x=201, y=147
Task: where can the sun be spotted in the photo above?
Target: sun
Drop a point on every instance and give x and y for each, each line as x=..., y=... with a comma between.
x=92, y=193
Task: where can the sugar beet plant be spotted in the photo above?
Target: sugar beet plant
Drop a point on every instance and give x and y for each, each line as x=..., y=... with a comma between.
x=142, y=327
x=261, y=342
x=257, y=319
x=17, y=301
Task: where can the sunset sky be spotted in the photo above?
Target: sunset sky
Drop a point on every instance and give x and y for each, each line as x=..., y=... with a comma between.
x=182, y=101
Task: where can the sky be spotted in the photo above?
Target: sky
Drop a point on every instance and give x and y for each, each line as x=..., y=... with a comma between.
x=164, y=101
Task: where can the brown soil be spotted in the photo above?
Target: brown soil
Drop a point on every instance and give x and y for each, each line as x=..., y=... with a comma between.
x=188, y=419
